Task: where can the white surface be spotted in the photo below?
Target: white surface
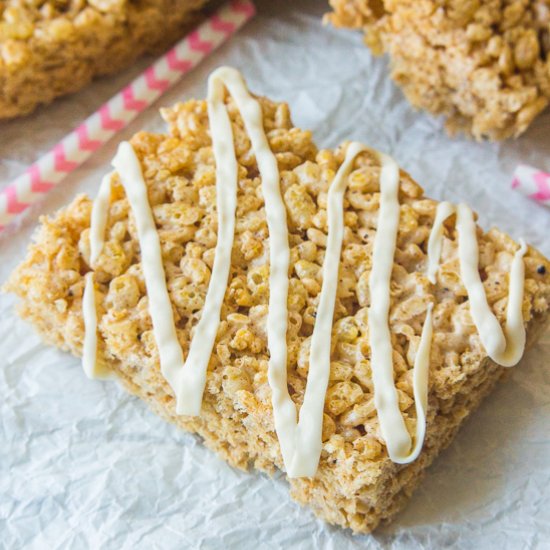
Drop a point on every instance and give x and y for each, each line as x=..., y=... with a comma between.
x=84, y=465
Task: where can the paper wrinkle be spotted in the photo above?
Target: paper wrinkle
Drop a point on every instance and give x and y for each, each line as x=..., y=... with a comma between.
x=84, y=465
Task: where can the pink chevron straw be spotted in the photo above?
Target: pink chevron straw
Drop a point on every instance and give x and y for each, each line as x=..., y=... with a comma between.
x=533, y=183
x=119, y=111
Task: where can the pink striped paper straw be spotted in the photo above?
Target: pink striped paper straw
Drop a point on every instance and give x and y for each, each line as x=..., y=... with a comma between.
x=533, y=183
x=75, y=148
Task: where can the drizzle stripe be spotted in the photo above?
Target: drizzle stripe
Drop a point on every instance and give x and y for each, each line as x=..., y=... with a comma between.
x=201, y=347
x=443, y=211
x=505, y=348
x=191, y=388
x=100, y=209
x=128, y=167
x=421, y=372
x=310, y=426
x=392, y=426
x=89, y=351
x=100, y=213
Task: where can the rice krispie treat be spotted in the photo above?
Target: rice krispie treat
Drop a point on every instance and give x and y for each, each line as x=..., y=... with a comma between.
x=352, y=323
x=482, y=64
x=51, y=48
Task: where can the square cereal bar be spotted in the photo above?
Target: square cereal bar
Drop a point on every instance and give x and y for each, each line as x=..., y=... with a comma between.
x=357, y=484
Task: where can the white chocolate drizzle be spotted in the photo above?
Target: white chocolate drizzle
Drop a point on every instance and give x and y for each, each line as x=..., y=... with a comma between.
x=386, y=399
x=503, y=347
x=300, y=441
x=129, y=170
x=97, y=229
x=443, y=211
x=190, y=391
x=310, y=426
x=89, y=313
x=100, y=213
x=91, y=367
x=284, y=410
x=160, y=308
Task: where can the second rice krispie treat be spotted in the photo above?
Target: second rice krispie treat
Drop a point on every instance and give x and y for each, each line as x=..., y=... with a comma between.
x=301, y=309
x=482, y=64
x=51, y=48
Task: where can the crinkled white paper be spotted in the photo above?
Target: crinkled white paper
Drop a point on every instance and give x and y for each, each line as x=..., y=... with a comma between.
x=84, y=465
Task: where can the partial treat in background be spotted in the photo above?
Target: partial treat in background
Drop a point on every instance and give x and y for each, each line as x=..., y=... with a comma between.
x=73, y=282
x=482, y=64
x=47, y=171
x=52, y=48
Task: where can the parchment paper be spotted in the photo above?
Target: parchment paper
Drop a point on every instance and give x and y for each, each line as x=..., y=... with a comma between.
x=83, y=465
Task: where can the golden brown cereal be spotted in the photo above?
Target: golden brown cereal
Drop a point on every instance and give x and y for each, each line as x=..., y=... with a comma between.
x=356, y=485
